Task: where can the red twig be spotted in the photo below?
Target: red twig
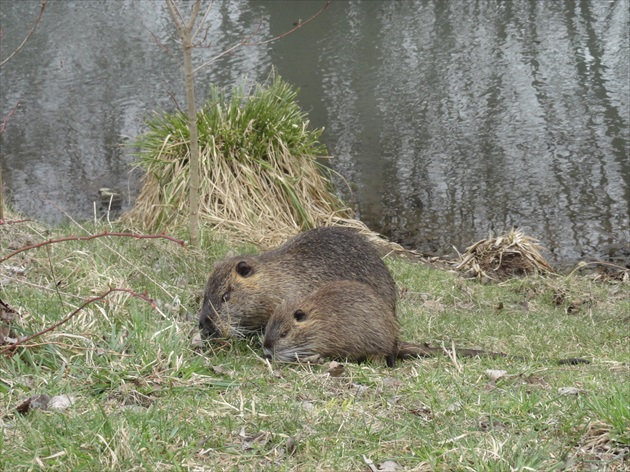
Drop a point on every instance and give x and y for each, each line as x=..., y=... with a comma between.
x=37, y=20
x=6, y=118
x=13, y=222
x=87, y=238
x=246, y=41
x=12, y=347
x=299, y=25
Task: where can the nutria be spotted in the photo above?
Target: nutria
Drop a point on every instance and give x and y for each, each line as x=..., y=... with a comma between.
x=347, y=320
x=343, y=319
x=242, y=292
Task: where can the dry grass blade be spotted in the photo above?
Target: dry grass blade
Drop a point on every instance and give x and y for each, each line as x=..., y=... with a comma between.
x=505, y=256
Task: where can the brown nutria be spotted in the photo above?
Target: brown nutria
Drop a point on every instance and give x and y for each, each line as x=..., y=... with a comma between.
x=347, y=320
x=343, y=319
x=242, y=292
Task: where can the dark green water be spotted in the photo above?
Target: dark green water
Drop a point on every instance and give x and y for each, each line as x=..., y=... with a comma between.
x=448, y=119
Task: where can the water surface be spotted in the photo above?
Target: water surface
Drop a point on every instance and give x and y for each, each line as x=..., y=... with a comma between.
x=446, y=119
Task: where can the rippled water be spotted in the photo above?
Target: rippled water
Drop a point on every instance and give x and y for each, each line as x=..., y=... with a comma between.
x=447, y=119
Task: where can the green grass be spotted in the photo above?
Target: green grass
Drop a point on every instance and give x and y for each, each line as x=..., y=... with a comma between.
x=147, y=399
x=260, y=173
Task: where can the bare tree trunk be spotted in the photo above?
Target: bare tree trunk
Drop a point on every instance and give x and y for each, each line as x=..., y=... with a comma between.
x=187, y=37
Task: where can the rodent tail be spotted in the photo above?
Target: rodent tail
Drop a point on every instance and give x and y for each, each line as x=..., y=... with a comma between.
x=408, y=350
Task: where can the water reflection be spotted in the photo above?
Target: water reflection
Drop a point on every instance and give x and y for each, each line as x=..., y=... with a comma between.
x=447, y=119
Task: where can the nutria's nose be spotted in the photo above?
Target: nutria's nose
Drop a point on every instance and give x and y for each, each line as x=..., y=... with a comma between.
x=268, y=353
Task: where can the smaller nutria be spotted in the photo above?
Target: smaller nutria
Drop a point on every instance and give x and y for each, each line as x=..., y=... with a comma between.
x=348, y=320
x=343, y=319
x=243, y=291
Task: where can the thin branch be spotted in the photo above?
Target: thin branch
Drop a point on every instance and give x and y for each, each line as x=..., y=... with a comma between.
x=37, y=20
x=13, y=222
x=300, y=25
x=245, y=41
x=87, y=238
x=6, y=118
x=203, y=21
x=157, y=41
x=12, y=347
x=242, y=42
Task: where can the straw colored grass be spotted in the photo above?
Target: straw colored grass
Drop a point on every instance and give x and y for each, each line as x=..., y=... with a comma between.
x=504, y=256
x=260, y=176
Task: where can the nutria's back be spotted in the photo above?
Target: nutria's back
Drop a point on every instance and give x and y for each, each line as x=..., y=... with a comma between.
x=242, y=292
x=345, y=319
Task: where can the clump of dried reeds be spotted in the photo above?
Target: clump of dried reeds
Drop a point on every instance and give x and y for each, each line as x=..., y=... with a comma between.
x=260, y=177
x=507, y=255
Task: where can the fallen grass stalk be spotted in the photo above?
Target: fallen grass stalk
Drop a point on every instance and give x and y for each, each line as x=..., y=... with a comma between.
x=506, y=255
x=88, y=238
x=19, y=342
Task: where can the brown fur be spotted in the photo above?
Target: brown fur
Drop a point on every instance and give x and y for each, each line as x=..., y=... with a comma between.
x=242, y=292
x=340, y=320
x=349, y=320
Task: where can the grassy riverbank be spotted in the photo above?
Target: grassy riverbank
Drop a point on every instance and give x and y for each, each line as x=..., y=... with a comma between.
x=145, y=398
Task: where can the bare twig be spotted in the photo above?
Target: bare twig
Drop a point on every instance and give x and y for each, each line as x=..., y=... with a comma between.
x=13, y=222
x=6, y=118
x=87, y=238
x=245, y=41
x=299, y=25
x=12, y=347
x=37, y=20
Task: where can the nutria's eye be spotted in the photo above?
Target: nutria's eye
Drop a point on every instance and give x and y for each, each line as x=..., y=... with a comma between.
x=284, y=334
x=226, y=296
x=299, y=315
x=244, y=269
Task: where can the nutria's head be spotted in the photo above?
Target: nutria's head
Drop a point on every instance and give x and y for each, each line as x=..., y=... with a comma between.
x=290, y=333
x=233, y=303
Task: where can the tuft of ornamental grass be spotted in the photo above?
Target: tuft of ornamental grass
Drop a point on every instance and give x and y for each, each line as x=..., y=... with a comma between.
x=260, y=174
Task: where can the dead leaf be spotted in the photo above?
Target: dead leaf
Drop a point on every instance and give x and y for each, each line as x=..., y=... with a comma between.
x=495, y=375
x=335, y=369
x=196, y=341
x=532, y=380
x=423, y=412
x=389, y=466
x=569, y=391
x=36, y=402
x=392, y=382
x=453, y=407
x=290, y=446
x=487, y=425
x=434, y=306
x=61, y=402
x=259, y=439
x=6, y=312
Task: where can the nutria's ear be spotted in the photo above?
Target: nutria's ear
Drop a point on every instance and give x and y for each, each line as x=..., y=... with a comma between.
x=244, y=269
x=299, y=315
